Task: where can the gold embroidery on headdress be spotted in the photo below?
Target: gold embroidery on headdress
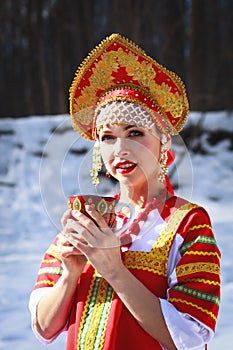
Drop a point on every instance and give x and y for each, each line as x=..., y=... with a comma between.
x=119, y=61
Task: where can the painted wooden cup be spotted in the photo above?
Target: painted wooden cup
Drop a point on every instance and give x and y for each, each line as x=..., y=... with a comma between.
x=106, y=206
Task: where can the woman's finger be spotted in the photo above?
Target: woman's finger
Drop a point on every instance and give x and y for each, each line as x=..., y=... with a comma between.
x=83, y=230
x=65, y=247
x=65, y=217
x=97, y=222
x=83, y=219
x=77, y=233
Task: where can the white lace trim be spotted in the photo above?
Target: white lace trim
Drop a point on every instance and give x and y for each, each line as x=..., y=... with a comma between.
x=123, y=112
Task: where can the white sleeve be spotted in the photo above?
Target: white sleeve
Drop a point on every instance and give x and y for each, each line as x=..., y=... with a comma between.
x=35, y=297
x=186, y=331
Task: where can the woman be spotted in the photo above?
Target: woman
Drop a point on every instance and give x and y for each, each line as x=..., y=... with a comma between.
x=158, y=285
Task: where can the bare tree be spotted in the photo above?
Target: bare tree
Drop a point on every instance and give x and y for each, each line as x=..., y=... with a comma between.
x=43, y=42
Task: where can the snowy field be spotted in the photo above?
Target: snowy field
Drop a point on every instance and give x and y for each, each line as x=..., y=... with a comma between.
x=43, y=162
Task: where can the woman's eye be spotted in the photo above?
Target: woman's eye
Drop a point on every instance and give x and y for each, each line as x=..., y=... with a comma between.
x=106, y=138
x=133, y=133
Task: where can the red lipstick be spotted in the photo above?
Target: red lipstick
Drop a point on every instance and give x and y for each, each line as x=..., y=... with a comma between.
x=125, y=167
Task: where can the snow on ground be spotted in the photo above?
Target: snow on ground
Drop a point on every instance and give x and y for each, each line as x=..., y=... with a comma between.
x=43, y=162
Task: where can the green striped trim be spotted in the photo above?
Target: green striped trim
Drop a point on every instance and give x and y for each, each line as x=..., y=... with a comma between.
x=199, y=239
x=90, y=311
x=89, y=316
x=198, y=294
x=102, y=324
x=50, y=270
x=96, y=317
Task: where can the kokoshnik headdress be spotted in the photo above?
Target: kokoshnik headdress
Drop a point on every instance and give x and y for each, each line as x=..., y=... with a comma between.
x=118, y=71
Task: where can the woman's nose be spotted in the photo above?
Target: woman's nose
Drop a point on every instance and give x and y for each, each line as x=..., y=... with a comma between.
x=121, y=147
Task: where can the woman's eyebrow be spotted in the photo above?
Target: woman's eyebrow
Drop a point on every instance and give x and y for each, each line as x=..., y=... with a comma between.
x=130, y=126
x=125, y=128
x=106, y=130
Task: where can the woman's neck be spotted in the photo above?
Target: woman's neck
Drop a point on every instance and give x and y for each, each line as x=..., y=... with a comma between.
x=140, y=195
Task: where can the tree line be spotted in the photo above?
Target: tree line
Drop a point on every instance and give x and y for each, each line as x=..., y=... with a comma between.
x=42, y=42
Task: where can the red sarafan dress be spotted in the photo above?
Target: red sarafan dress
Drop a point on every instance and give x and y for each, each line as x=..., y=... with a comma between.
x=175, y=256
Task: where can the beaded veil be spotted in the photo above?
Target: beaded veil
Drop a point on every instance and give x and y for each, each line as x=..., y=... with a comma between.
x=123, y=112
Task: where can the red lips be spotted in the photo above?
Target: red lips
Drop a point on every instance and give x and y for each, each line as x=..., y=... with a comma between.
x=125, y=167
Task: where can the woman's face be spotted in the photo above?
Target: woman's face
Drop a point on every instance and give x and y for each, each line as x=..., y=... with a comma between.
x=130, y=153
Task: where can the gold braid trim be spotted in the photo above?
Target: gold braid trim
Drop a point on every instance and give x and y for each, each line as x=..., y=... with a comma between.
x=52, y=250
x=197, y=227
x=172, y=226
x=201, y=280
x=95, y=315
x=197, y=252
x=153, y=261
x=45, y=282
x=85, y=312
x=177, y=300
x=192, y=268
x=156, y=260
x=49, y=261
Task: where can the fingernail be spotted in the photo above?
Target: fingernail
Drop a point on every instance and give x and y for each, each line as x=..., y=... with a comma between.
x=88, y=207
x=75, y=212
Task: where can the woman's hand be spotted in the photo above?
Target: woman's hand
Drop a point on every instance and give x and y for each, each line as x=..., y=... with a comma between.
x=72, y=259
x=97, y=242
x=101, y=247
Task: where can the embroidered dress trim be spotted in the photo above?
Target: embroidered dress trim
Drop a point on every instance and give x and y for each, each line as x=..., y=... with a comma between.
x=93, y=323
x=198, y=294
x=156, y=260
x=197, y=227
x=46, y=282
x=202, y=280
x=52, y=250
x=49, y=261
x=192, y=268
x=50, y=270
x=178, y=300
x=94, y=319
x=200, y=239
x=197, y=252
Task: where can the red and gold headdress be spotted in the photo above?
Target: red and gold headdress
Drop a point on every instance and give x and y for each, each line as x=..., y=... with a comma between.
x=118, y=70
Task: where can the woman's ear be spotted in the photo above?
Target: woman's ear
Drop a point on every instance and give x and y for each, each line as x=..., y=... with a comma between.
x=169, y=141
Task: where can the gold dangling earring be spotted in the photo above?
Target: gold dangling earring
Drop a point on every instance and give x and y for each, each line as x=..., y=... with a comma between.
x=96, y=163
x=163, y=159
